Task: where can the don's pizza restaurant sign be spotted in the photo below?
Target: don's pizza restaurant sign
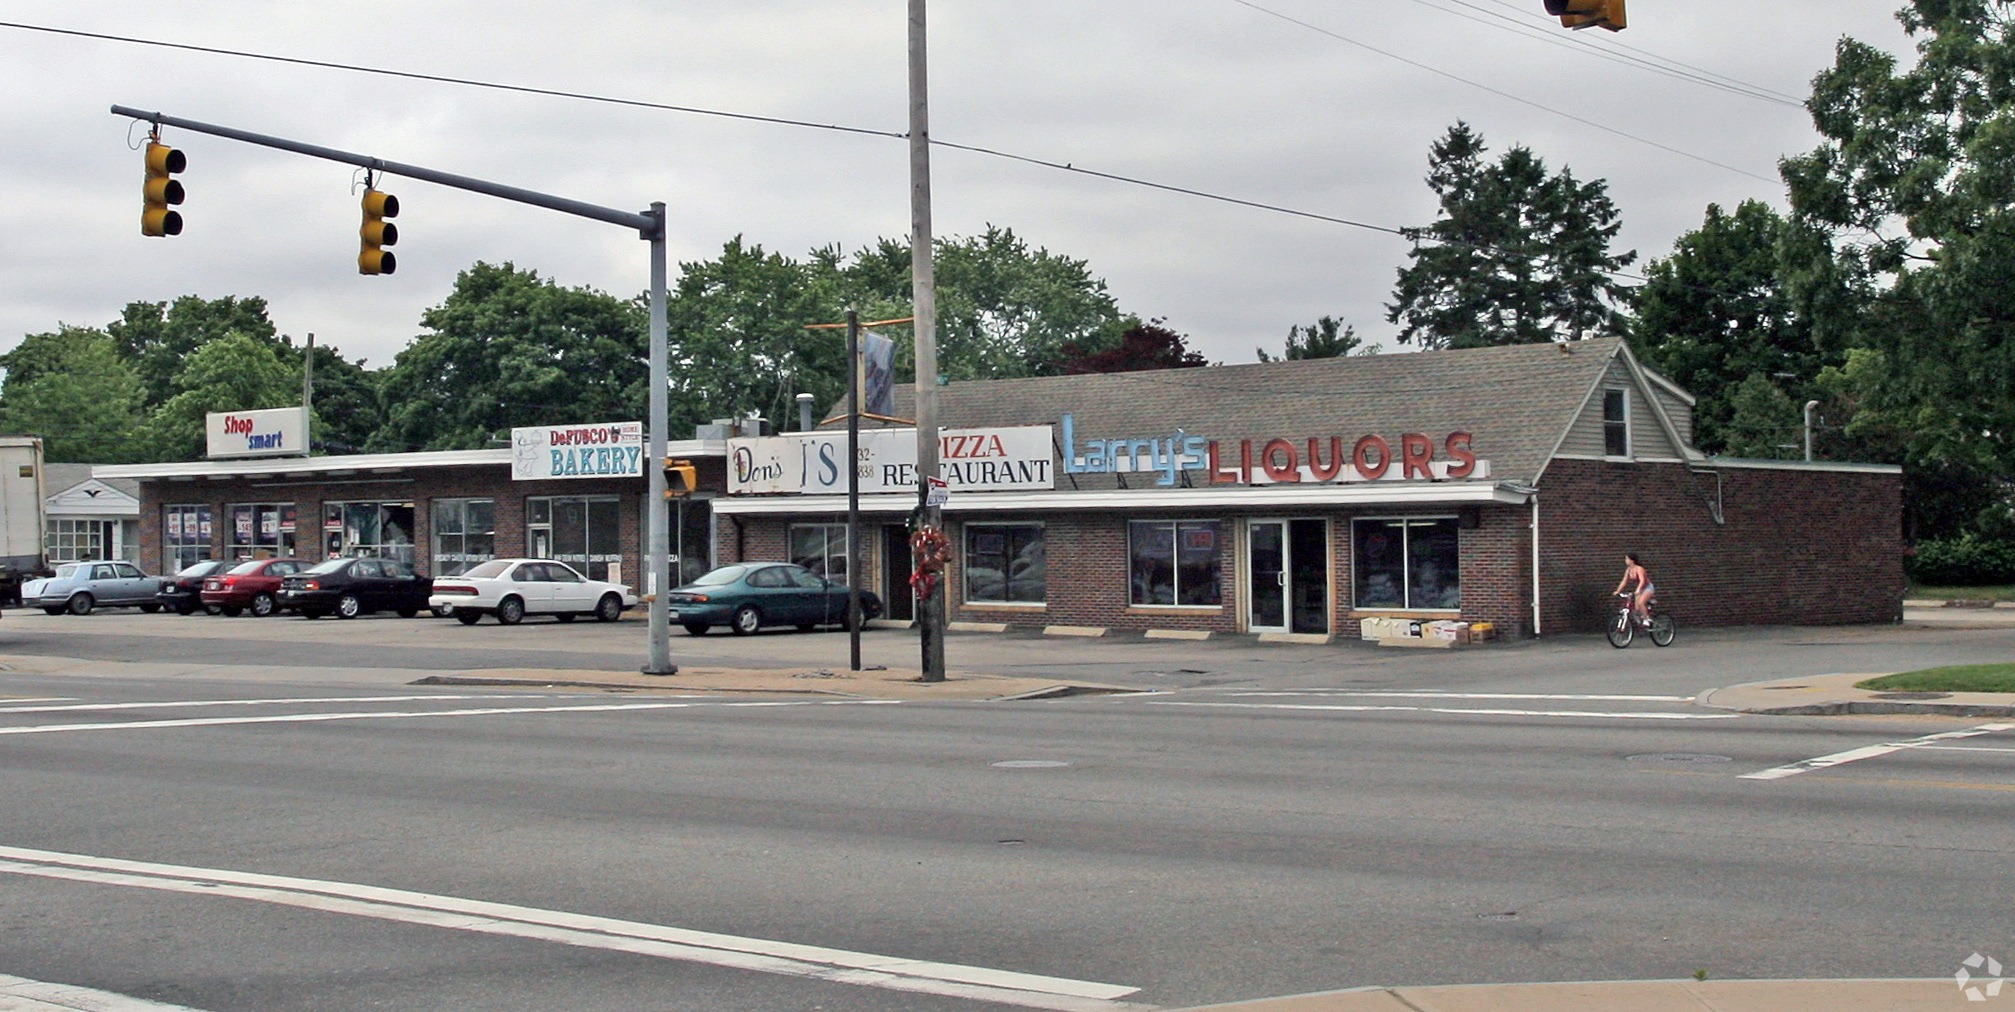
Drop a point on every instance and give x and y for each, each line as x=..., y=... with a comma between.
x=1011, y=458
x=608, y=450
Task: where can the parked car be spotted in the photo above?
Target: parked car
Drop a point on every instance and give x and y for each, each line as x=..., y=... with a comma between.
x=78, y=587
x=513, y=588
x=183, y=592
x=348, y=588
x=749, y=596
x=249, y=586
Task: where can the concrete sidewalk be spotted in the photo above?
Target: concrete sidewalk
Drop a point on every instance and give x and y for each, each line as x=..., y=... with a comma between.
x=1833, y=695
x=1937, y=995
x=810, y=681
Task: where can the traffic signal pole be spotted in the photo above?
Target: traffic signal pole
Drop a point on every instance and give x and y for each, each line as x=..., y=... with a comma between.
x=650, y=226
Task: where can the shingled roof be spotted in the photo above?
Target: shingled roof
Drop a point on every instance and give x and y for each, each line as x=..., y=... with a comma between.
x=1516, y=401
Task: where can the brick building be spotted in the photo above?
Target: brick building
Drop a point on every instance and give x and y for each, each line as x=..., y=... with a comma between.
x=1498, y=484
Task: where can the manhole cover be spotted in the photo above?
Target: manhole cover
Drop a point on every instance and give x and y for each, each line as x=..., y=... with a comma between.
x=1028, y=764
x=1497, y=917
x=1677, y=757
x=1913, y=695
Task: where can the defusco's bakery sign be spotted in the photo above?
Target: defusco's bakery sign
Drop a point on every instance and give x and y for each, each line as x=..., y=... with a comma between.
x=608, y=450
x=1410, y=456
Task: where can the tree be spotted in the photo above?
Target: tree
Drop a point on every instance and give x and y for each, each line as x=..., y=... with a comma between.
x=1518, y=256
x=1142, y=346
x=1004, y=309
x=1764, y=422
x=158, y=337
x=1716, y=311
x=1325, y=338
x=1915, y=186
x=509, y=348
x=236, y=372
x=74, y=390
x=349, y=401
x=739, y=343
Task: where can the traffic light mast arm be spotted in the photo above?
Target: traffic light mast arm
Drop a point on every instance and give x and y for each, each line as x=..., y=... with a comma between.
x=647, y=225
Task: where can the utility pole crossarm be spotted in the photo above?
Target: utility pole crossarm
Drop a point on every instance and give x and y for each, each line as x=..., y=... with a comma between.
x=647, y=225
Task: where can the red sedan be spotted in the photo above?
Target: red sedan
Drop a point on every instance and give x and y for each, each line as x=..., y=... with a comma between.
x=253, y=586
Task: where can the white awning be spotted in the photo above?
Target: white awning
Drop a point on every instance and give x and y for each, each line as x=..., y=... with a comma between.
x=1265, y=496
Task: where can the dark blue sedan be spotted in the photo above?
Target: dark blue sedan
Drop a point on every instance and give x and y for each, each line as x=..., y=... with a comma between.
x=752, y=595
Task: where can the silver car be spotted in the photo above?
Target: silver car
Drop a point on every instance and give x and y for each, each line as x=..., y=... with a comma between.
x=79, y=587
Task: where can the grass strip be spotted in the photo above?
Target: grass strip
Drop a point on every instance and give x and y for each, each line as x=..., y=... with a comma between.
x=1960, y=678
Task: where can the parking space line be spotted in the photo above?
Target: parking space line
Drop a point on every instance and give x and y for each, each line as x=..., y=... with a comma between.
x=1870, y=752
x=248, y=702
x=487, y=711
x=34, y=995
x=757, y=954
x=1368, y=708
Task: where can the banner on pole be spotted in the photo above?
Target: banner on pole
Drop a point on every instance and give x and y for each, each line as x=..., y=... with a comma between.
x=878, y=374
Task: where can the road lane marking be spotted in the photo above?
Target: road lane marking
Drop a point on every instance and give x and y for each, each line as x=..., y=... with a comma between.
x=1465, y=695
x=1366, y=708
x=486, y=711
x=35, y=699
x=761, y=955
x=1869, y=752
x=42, y=996
x=248, y=702
x=1962, y=748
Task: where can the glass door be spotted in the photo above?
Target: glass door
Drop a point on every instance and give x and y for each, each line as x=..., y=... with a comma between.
x=1266, y=554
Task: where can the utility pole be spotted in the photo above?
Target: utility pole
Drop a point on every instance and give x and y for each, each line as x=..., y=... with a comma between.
x=923, y=286
x=308, y=399
x=650, y=226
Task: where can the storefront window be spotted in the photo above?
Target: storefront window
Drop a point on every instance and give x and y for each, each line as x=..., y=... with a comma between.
x=75, y=540
x=821, y=548
x=1173, y=562
x=1408, y=564
x=584, y=532
x=465, y=534
x=376, y=529
x=261, y=530
x=185, y=536
x=1004, y=563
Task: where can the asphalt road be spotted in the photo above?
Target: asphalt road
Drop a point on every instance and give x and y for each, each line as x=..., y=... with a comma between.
x=1281, y=821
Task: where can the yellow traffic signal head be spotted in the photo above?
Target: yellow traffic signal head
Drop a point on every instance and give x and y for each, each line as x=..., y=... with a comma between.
x=378, y=233
x=681, y=478
x=1588, y=13
x=161, y=190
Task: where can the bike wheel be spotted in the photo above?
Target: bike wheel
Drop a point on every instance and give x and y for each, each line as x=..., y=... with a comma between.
x=1621, y=629
x=1662, y=630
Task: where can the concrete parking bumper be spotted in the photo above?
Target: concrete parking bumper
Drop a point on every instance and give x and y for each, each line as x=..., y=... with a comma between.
x=1937, y=995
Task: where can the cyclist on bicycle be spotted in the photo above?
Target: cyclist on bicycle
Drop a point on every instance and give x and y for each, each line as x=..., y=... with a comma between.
x=1635, y=576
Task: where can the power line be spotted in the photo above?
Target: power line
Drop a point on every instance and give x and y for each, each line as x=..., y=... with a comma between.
x=1499, y=92
x=1664, y=59
x=1576, y=42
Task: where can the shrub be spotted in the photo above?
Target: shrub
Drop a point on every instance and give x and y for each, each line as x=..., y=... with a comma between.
x=1965, y=561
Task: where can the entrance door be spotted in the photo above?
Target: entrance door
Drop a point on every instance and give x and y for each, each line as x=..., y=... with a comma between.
x=1266, y=548
x=897, y=597
x=1288, y=576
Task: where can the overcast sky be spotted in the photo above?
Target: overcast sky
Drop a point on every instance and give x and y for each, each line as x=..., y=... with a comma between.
x=1206, y=94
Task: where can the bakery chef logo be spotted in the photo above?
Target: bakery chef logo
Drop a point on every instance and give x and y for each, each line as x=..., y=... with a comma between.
x=1981, y=986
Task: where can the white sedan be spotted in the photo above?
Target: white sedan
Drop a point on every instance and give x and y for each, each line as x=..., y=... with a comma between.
x=513, y=588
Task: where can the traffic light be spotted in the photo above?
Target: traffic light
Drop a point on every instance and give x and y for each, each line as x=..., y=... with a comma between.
x=162, y=189
x=378, y=233
x=1588, y=13
x=681, y=478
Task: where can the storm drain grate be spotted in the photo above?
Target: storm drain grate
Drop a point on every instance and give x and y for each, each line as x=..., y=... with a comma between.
x=1677, y=757
x=1506, y=916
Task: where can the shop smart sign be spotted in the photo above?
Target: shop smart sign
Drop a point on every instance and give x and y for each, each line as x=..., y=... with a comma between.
x=1011, y=458
x=273, y=432
x=608, y=450
x=1279, y=460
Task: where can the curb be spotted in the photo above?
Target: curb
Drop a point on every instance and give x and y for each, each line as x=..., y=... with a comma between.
x=1844, y=701
x=1845, y=995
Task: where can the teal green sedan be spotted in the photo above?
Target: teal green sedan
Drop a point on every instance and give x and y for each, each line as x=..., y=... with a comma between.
x=753, y=595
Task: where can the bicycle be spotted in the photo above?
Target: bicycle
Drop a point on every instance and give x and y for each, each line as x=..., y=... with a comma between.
x=1623, y=628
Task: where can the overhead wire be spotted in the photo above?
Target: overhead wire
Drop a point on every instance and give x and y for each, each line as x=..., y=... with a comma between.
x=1619, y=44
x=1501, y=93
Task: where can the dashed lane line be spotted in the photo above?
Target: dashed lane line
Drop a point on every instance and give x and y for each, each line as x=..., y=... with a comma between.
x=1466, y=711
x=761, y=955
x=19, y=994
x=486, y=711
x=1870, y=752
